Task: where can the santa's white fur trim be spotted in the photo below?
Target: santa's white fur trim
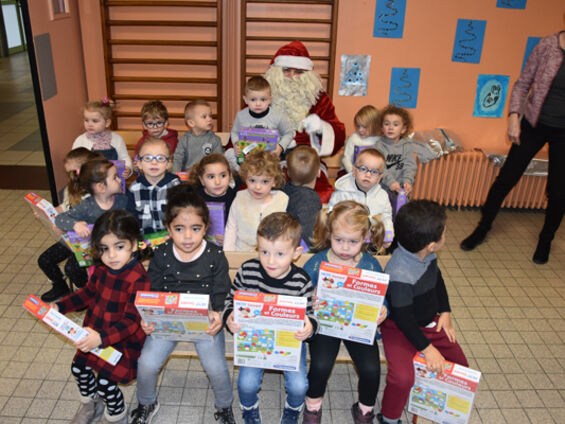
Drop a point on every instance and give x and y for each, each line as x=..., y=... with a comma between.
x=324, y=144
x=297, y=62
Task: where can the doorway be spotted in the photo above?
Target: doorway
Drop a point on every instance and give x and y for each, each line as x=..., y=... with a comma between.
x=22, y=158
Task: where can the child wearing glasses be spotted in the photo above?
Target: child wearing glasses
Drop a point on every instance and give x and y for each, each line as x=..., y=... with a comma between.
x=155, y=119
x=200, y=140
x=147, y=195
x=363, y=186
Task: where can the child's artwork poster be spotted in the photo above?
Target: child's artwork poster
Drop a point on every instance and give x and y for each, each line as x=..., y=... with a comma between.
x=468, y=43
x=511, y=4
x=80, y=246
x=121, y=167
x=44, y=211
x=217, y=222
x=404, y=83
x=175, y=316
x=349, y=302
x=445, y=398
x=251, y=138
x=491, y=96
x=530, y=44
x=68, y=328
x=268, y=323
x=389, y=18
x=354, y=75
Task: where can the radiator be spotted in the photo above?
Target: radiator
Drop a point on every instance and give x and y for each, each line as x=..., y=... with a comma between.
x=462, y=179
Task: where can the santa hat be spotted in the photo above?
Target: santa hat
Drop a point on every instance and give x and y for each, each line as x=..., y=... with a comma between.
x=293, y=55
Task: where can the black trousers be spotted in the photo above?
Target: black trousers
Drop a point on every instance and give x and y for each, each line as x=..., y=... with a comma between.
x=323, y=353
x=49, y=261
x=531, y=141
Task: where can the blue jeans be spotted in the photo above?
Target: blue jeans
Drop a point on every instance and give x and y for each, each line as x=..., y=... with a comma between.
x=212, y=354
x=296, y=383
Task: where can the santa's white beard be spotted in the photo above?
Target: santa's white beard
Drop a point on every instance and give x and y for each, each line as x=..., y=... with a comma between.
x=293, y=97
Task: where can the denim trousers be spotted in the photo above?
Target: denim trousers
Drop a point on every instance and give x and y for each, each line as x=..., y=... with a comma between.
x=212, y=354
x=296, y=384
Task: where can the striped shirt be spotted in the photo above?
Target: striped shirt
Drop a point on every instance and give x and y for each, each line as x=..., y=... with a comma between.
x=251, y=276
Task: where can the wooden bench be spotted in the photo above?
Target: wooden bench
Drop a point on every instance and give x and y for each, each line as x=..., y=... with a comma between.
x=235, y=260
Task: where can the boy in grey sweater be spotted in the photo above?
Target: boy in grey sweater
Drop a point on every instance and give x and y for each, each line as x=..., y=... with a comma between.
x=200, y=140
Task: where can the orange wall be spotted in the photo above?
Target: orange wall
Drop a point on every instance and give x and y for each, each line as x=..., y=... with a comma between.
x=447, y=89
x=62, y=111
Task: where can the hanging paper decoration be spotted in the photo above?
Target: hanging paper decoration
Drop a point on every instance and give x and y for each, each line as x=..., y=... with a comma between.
x=511, y=4
x=404, y=84
x=532, y=41
x=468, y=41
x=354, y=75
x=389, y=18
x=491, y=95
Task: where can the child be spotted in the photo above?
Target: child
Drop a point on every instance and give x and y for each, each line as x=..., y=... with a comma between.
x=211, y=178
x=366, y=132
x=362, y=185
x=342, y=234
x=257, y=114
x=200, y=140
x=147, y=196
x=303, y=166
x=262, y=174
x=97, y=120
x=111, y=318
x=187, y=263
x=155, y=119
x=49, y=260
x=420, y=318
x=278, y=238
x=99, y=178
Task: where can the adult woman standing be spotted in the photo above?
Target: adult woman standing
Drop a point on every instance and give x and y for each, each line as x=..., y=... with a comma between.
x=541, y=87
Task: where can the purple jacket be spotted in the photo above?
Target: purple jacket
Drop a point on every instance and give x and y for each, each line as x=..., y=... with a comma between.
x=536, y=78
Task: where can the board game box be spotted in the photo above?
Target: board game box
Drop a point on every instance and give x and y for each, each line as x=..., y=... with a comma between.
x=268, y=323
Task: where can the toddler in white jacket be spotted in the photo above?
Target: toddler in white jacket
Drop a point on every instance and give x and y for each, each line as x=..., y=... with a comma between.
x=363, y=186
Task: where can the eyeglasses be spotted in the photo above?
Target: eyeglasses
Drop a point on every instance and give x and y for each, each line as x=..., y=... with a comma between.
x=158, y=158
x=157, y=124
x=374, y=172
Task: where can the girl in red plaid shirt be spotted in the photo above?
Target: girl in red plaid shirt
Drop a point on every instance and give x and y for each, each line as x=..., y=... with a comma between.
x=111, y=318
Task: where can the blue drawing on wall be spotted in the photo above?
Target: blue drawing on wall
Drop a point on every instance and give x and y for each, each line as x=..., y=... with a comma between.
x=491, y=95
x=532, y=41
x=468, y=41
x=511, y=4
x=354, y=75
x=404, y=83
x=389, y=18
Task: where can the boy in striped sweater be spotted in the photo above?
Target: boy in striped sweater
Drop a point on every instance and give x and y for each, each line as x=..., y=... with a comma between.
x=278, y=239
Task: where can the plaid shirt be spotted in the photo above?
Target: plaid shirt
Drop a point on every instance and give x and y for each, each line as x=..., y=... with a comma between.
x=109, y=297
x=147, y=203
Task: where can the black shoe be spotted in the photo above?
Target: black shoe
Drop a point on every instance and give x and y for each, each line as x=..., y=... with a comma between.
x=225, y=415
x=541, y=255
x=476, y=238
x=55, y=293
x=143, y=414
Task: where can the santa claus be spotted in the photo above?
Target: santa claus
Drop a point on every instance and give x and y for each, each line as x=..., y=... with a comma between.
x=297, y=92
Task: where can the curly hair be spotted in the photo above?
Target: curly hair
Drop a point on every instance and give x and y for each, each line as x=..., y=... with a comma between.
x=404, y=115
x=262, y=162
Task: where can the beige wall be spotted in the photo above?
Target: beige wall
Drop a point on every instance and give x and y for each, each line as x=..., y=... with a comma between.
x=62, y=111
x=447, y=89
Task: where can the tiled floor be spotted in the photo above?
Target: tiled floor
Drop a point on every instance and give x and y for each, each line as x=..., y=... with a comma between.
x=509, y=312
x=20, y=141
